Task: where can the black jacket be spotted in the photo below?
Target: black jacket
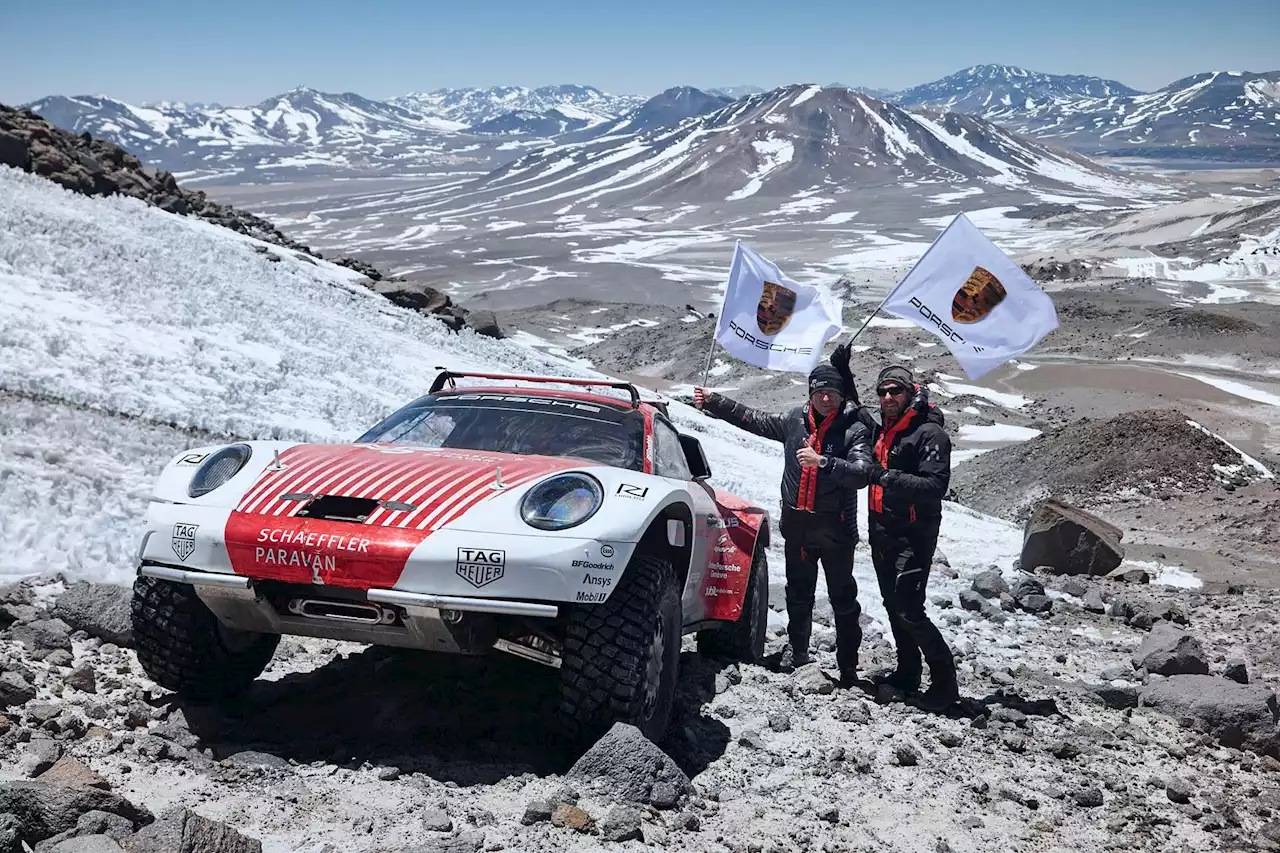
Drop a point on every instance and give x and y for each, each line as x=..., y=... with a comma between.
x=913, y=462
x=826, y=497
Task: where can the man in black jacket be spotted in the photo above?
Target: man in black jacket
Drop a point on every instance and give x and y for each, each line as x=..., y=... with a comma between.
x=909, y=476
x=827, y=454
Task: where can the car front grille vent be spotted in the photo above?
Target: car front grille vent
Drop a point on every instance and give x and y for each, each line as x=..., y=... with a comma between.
x=339, y=508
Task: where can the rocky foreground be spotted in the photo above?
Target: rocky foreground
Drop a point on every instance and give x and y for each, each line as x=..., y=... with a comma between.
x=1106, y=713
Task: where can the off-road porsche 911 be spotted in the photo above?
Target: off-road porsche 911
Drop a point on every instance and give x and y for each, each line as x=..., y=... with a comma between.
x=572, y=527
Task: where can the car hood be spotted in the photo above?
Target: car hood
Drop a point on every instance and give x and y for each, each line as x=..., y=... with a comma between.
x=390, y=485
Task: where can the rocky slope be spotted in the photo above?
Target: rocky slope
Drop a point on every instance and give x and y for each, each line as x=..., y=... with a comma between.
x=1112, y=718
x=1152, y=454
x=96, y=167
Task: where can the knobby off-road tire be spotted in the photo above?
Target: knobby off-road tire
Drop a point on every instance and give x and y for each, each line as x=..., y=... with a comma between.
x=621, y=658
x=743, y=640
x=182, y=646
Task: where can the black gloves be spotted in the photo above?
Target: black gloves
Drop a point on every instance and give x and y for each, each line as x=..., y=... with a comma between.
x=875, y=474
x=839, y=359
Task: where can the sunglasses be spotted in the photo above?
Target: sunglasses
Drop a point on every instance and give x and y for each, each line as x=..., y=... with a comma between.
x=891, y=391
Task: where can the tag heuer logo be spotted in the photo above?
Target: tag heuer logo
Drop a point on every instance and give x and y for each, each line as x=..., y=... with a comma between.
x=480, y=566
x=184, y=539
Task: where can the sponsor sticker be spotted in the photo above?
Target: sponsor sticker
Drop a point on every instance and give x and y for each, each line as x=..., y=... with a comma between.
x=481, y=566
x=589, y=565
x=626, y=490
x=606, y=551
x=591, y=597
x=184, y=539
x=597, y=580
x=192, y=459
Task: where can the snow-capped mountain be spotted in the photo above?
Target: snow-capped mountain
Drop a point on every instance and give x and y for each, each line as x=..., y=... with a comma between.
x=784, y=142
x=734, y=92
x=1213, y=111
x=552, y=122
x=300, y=127
x=664, y=109
x=985, y=88
x=304, y=128
x=470, y=107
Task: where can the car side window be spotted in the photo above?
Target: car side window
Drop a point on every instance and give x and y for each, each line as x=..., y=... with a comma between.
x=669, y=458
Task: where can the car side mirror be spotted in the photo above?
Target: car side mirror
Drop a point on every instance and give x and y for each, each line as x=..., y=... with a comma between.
x=697, y=460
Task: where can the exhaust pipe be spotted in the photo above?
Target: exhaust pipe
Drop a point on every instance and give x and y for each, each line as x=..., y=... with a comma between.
x=342, y=611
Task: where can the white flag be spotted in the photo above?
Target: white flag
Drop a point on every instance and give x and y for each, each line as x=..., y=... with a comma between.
x=768, y=320
x=975, y=298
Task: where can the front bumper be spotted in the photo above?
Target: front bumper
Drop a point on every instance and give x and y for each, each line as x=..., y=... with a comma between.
x=466, y=567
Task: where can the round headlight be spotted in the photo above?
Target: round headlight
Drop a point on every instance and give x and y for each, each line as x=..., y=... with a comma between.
x=561, y=502
x=220, y=467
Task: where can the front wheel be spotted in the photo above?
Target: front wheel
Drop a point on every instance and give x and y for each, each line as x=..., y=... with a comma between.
x=743, y=640
x=183, y=647
x=621, y=658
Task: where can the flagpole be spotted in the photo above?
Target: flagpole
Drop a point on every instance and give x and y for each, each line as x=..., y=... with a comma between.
x=724, y=298
x=707, y=370
x=884, y=301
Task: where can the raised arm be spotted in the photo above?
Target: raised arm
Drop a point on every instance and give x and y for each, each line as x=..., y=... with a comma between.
x=763, y=424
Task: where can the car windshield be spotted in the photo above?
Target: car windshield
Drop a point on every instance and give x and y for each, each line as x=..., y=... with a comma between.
x=515, y=423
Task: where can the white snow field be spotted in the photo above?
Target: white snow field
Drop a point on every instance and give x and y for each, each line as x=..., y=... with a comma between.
x=127, y=334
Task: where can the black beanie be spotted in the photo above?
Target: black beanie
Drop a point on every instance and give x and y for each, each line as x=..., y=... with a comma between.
x=824, y=376
x=896, y=373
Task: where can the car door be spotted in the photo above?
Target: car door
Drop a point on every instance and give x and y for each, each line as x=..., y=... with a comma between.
x=670, y=463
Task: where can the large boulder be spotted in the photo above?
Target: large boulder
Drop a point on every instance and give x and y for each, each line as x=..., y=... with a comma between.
x=100, y=610
x=1070, y=541
x=626, y=766
x=414, y=295
x=1238, y=715
x=484, y=323
x=1169, y=650
x=183, y=831
x=45, y=810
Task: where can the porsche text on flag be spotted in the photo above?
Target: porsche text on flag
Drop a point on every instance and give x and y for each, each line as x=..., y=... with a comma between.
x=768, y=320
x=975, y=298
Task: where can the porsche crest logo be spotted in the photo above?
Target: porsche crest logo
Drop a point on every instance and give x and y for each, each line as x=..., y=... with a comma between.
x=977, y=297
x=776, y=306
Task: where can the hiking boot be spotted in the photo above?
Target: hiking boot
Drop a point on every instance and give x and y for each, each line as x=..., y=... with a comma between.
x=938, y=698
x=907, y=682
x=848, y=678
x=793, y=657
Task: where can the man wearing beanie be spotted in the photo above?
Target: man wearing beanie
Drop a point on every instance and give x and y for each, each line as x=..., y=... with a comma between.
x=909, y=476
x=827, y=454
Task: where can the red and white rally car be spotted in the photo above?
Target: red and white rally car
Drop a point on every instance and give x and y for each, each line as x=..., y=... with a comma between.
x=575, y=529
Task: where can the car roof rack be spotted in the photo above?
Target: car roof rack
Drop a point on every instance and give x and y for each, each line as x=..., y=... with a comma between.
x=448, y=376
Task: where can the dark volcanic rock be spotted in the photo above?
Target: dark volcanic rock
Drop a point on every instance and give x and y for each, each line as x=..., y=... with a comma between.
x=100, y=610
x=1238, y=715
x=627, y=766
x=1071, y=541
x=44, y=810
x=184, y=831
x=990, y=584
x=1170, y=651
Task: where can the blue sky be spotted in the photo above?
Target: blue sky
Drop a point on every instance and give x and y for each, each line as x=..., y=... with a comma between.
x=238, y=52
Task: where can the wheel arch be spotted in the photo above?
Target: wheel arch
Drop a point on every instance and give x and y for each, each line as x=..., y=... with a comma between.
x=655, y=539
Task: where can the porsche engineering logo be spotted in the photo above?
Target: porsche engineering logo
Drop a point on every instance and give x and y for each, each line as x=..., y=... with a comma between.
x=184, y=539
x=980, y=293
x=775, y=308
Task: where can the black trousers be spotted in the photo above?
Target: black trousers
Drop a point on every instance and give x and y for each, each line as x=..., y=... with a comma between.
x=834, y=549
x=903, y=556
